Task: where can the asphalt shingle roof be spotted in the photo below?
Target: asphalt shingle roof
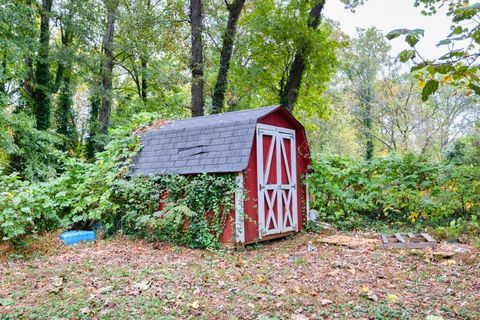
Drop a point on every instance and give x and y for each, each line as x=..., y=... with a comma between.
x=216, y=143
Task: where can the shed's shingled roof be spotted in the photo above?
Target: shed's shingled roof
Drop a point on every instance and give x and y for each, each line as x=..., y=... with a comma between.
x=216, y=143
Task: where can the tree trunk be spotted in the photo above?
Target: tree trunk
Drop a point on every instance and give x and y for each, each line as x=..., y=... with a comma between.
x=107, y=71
x=41, y=92
x=197, y=58
x=367, y=98
x=95, y=101
x=143, y=65
x=289, y=90
x=143, y=62
x=65, y=118
x=27, y=83
x=218, y=97
x=3, y=75
x=367, y=122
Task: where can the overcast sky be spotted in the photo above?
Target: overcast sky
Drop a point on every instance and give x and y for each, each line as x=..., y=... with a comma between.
x=387, y=15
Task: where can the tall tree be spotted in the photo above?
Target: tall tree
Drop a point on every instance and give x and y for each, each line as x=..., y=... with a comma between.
x=234, y=11
x=42, y=72
x=65, y=117
x=39, y=83
x=270, y=34
x=370, y=55
x=107, y=70
x=196, y=21
x=289, y=89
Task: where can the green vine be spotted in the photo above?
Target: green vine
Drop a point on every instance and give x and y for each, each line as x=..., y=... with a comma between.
x=195, y=210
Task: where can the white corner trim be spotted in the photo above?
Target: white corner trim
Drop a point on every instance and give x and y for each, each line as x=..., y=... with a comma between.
x=307, y=198
x=239, y=210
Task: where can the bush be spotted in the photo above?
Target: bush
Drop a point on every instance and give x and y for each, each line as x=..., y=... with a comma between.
x=82, y=192
x=394, y=189
x=86, y=193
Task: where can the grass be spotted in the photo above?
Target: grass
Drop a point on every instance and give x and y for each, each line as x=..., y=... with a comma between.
x=126, y=279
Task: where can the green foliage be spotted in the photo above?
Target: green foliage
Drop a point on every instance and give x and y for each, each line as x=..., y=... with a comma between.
x=83, y=193
x=404, y=189
x=269, y=34
x=430, y=87
x=195, y=210
x=457, y=66
x=23, y=149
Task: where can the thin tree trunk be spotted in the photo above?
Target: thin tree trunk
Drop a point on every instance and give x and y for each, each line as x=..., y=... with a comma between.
x=144, y=63
x=367, y=98
x=144, y=85
x=65, y=117
x=95, y=101
x=27, y=83
x=196, y=13
x=368, y=131
x=42, y=72
x=107, y=71
x=289, y=90
x=218, y=97
x=3, y=75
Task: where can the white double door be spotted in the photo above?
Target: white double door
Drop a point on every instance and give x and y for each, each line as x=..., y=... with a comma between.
x=277, y=178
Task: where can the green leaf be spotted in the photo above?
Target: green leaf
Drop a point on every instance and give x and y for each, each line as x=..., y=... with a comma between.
x=418, y=67
x=412, y=39
x=456, y=31
x=396, y=33
x=406, y=55
x=475, y=88
x=417, y=32
x=444, y=42
x=6, y=302
x=430, y=88
x=466, y=13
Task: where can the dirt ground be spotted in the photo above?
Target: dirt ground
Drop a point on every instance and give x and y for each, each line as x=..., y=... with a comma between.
x=294, y=278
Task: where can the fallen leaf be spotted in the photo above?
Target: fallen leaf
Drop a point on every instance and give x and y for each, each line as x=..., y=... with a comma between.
x=106, y=289
x=299, y=317
x=143, y=285
x=392, y=298
x=57, y=281
x=195, y=304
x=372, y=296
x=84, y=310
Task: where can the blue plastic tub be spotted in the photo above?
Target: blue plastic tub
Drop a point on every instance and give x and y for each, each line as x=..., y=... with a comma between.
x=73, y=237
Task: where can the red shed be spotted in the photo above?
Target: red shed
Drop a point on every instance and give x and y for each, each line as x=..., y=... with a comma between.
x=266, y=147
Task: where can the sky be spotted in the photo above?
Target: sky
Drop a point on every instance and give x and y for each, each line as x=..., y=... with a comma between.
x=388, y=15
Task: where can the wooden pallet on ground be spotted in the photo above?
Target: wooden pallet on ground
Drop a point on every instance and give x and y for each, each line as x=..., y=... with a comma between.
x=408, y=241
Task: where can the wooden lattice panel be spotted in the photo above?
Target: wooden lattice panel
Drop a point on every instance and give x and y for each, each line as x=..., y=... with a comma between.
x=408, y=241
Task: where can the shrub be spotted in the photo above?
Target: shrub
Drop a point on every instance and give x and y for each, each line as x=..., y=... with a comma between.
x=394, y=189
x=82, y=192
